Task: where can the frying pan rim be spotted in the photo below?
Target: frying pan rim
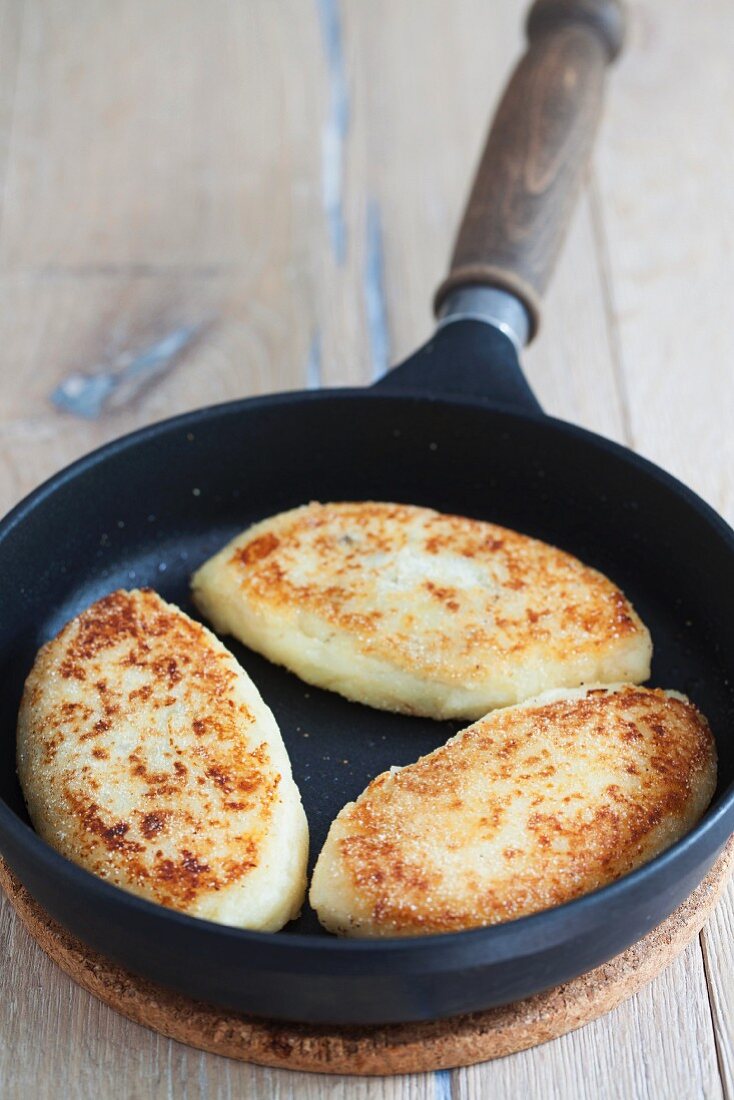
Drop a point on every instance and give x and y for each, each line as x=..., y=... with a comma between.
x=500, y=935
x=373, y=393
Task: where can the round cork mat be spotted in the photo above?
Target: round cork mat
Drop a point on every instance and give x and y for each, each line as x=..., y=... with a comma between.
x=373, y=1050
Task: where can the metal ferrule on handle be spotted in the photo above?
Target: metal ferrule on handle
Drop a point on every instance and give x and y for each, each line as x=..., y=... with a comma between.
x=491, y=305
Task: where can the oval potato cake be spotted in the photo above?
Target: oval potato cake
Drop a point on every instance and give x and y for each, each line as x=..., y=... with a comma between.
x=531, y=807
x=147, y=756
x=410, y=610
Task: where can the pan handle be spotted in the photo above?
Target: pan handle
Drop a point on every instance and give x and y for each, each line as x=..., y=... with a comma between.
x=533, y=162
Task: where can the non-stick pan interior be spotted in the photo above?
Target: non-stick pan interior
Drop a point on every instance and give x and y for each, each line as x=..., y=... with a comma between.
x=152, y=509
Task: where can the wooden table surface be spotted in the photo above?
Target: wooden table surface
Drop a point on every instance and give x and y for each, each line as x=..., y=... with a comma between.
x=287, y=175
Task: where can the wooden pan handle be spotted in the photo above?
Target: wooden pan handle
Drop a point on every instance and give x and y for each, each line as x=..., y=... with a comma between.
x=536, y=153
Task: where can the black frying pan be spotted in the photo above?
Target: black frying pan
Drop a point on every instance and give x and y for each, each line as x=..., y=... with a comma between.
x=456, y=428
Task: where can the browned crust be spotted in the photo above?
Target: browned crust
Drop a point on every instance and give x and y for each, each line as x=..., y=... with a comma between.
x=140, y=662
x=397, y=845
x=573, y=601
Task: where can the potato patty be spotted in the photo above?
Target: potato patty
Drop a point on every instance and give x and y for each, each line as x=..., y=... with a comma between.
x=147, y=756
x=410, y=610
x=530, y=807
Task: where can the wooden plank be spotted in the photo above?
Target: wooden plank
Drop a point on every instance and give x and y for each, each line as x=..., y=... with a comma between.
x=161, y=134
x=666, y=222
x=717, y=939
x=52, y=328
x=668, y=146
x=11, y=22
x=658, y=1045
x=168, y=165
x=197, y=200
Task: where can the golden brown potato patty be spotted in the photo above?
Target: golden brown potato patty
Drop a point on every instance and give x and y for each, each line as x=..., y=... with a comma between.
x=530, y=807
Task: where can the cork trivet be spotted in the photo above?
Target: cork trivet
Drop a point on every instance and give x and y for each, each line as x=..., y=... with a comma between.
x=396, y=1048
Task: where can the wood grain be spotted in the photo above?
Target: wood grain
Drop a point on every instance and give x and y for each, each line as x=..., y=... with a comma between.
x=128, y=145
x=668, y=222
x=716, y=940
x=163, y=163
x=11, y=24
x=536, y=154
x=51, y=327
x=630, y=1053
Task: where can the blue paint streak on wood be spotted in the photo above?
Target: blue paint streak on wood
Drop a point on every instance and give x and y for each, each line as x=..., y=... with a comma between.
x=335, y=128
x=444, y=1090
x=374, y=292
x=89, y=395
x=313, y=363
